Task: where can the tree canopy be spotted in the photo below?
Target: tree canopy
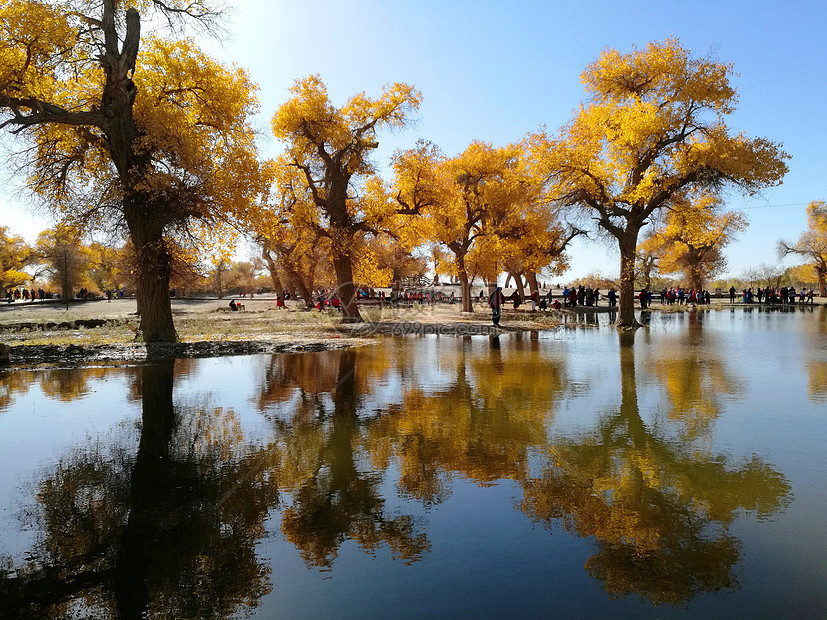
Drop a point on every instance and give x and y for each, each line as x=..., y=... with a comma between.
x=144, y=136
x=812, y=243
x=653, y=128
x=691, y=240
x=330, y=147
x=14, y=255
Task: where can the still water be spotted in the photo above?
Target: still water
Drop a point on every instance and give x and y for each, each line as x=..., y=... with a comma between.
x=675, y=472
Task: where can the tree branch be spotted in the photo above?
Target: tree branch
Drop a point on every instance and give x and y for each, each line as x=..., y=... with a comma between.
x=43, y=112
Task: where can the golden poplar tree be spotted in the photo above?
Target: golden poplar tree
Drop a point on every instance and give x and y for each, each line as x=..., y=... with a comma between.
x=462, y=199
x=812, y=243
x=330, y=149
x=653, y=128
x=14, y=255
x=137, y=134
x=692, y=239
x=64, y=260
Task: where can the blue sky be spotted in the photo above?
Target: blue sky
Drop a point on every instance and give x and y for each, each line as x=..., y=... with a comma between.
x=494, y=71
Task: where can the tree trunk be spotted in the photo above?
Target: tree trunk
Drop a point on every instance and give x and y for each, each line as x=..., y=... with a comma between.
x=465, y=288
x=696, y=281
x=346, y=290
x=518, y=280
x=396, y=283
x=274, y=271
x=822, y=280
x=295, y=278
x=219, y=285
x=154, y=268
x=695, y=269
x=297, y=282
x=507, y=280
x=531, y=278
x=626, y=315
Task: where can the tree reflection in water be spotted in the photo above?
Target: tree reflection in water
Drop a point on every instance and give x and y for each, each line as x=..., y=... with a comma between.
x=152, y=535
x=658, y=510
x=333, y=499
x=171, y=530
x=816, y=360
x=695, y=377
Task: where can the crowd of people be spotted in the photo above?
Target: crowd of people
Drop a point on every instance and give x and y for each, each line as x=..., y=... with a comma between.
x=586, y=296
x=40, y=294
x=29, y=295
x=785, y=295
x=581, y=296
x=680, y=296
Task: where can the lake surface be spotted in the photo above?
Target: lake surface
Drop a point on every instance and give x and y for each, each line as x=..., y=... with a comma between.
x=678, y=471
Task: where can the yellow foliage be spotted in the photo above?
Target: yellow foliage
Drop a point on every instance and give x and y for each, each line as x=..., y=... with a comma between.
x=653, y=128
x=813, y=243
x=309, y=123
x=193, y=149
x=35, y=37
x=692, y=237
x=806, y=274
x=14, y=255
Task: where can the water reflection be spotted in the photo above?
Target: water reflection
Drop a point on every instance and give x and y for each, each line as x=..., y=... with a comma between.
x=151, y=534
x=12, y=384
x=333, y=499
x=658, y=510
x=169, y=527
x=695, y=377
x=816, y=358
x=483, y=424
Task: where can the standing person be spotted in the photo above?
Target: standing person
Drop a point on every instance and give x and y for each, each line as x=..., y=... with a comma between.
x=732, y=295
x=279, y=302
x=496, y=302
x=535, y=298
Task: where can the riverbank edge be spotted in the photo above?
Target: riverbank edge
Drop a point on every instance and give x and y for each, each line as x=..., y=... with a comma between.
x=347, y=336
x=344, y=336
